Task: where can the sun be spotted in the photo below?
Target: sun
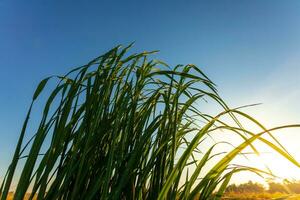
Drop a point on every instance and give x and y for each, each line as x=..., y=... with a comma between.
x=272, y=163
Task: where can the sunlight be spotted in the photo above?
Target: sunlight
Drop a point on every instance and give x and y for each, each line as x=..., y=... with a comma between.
x=279, y=166
x=270, y=162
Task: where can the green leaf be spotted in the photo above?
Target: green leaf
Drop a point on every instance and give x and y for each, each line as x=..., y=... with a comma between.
x=40, y=88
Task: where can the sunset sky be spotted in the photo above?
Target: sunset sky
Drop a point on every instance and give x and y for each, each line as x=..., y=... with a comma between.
x=249, y=48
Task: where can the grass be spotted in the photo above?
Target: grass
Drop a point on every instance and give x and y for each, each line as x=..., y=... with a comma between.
x=128, y=127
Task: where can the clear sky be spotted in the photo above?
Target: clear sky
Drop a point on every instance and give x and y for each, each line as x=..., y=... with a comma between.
x=249, y=48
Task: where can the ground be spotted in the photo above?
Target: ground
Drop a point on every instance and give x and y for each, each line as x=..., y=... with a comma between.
x=261, y=196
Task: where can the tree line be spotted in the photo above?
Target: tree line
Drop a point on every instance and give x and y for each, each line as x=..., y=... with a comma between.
x=273, y=187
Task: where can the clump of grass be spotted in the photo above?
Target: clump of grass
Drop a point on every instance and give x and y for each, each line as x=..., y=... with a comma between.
x=126, y=127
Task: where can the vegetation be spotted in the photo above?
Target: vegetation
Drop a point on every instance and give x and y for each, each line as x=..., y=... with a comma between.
x=273, y=187
x=128, y=127
x=252, y=190
x=249, y=187
x=286, y=187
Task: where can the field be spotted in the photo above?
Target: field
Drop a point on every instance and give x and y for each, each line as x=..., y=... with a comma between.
x=260, y=196
x=231, y=196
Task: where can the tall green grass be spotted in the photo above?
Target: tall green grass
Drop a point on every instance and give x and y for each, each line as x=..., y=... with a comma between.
x=128, y=127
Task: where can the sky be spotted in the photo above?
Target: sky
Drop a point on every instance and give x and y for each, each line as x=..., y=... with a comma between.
x=249, y=48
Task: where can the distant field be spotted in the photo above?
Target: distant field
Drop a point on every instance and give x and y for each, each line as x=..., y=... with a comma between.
x=260, y=196
x=235, y=196
x=297, y=197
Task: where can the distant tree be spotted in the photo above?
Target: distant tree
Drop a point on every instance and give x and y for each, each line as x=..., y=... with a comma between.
x=277, y=187
x=249, y=187
x=293, y=186
x=232, y=188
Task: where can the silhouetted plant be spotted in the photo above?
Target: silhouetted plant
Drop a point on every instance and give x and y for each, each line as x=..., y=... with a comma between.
x=126, y=127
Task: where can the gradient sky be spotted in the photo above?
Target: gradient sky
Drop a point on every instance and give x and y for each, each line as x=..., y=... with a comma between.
x=249, y=48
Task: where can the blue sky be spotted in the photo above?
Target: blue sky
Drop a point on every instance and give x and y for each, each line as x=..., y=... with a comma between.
x=249, y=48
